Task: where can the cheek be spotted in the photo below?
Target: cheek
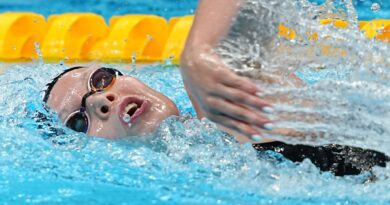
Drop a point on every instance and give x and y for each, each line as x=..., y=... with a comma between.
x=170, y=107
x=128, y=85
x=164, y=107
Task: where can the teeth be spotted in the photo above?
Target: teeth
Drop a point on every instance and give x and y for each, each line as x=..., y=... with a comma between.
x=126, y=118
x=130, y=107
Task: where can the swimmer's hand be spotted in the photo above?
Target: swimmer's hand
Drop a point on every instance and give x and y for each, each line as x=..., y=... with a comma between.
x=222, y=96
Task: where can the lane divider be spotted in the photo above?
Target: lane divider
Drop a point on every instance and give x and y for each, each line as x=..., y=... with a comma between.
x=179, y=27
x=18, y=33
x=72, y=35
x=379, y=29
x=139, y=36
x=147, y=38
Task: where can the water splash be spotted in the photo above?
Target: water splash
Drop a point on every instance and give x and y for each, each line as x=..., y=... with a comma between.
x=190, y=161
x=38, y=51
x=348, y=105
x=186, y=161
x=375, y=7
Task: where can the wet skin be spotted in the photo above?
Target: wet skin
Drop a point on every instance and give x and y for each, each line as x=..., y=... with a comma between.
x=106, y=110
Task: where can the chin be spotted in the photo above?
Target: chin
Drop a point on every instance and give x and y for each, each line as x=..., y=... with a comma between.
x=149, y=126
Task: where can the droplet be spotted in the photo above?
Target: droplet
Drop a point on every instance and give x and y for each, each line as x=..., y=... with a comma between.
x=279, y=149
x=38, y=51
x=149, y=37
x=375, y=7
x=168, y=61
x=133, y=60
x=126, y=118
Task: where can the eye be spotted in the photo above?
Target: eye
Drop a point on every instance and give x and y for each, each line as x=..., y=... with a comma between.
x=78, y=122
x=101, y=79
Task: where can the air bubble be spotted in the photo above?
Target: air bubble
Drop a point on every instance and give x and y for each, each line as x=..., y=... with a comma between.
x=149, y=37
x=375, y=7
x=38, y=52
x=126, y=118
x=133, y=60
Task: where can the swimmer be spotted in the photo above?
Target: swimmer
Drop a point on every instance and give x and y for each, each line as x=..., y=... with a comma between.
x=103, y=102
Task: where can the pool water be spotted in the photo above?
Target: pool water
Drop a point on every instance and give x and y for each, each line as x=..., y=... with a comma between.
x=165, y=8
x=105, y=8
x=343, y=96
x=187, y=161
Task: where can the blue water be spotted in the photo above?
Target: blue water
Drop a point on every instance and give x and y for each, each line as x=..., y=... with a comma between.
x=186, y=162
x=364, y=10
x=165, y=8
x=106, y=8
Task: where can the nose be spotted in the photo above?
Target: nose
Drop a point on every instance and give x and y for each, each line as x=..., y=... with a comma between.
x=101, y=104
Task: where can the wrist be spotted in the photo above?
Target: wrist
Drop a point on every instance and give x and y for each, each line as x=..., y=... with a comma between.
x=193, y=53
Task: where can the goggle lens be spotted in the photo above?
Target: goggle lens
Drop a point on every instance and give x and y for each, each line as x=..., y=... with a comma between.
x=103, y=78
x=78, y=122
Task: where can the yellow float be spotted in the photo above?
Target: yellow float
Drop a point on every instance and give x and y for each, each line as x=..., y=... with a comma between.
x=336, y=22
x=20, y=34
x=71, y=36
x=138, y=36
x=179, y=28
x=147, y=38
x=286, y=32
x=379, y=29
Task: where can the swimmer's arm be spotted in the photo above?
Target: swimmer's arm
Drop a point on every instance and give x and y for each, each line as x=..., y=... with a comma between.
x=210, y=25
x=212, y=21
x=215, y=90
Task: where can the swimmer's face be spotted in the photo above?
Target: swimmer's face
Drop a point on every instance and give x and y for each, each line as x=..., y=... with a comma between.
x=127, y=107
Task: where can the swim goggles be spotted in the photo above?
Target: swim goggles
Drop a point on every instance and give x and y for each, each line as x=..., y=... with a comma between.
x=99, y=81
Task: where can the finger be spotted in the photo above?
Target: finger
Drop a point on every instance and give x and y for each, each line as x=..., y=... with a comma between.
x=220, y=106
x=236, y=95
x=236, y=125
x=233, y=80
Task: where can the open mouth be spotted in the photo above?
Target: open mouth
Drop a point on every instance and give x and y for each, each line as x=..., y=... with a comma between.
x=132, y=108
